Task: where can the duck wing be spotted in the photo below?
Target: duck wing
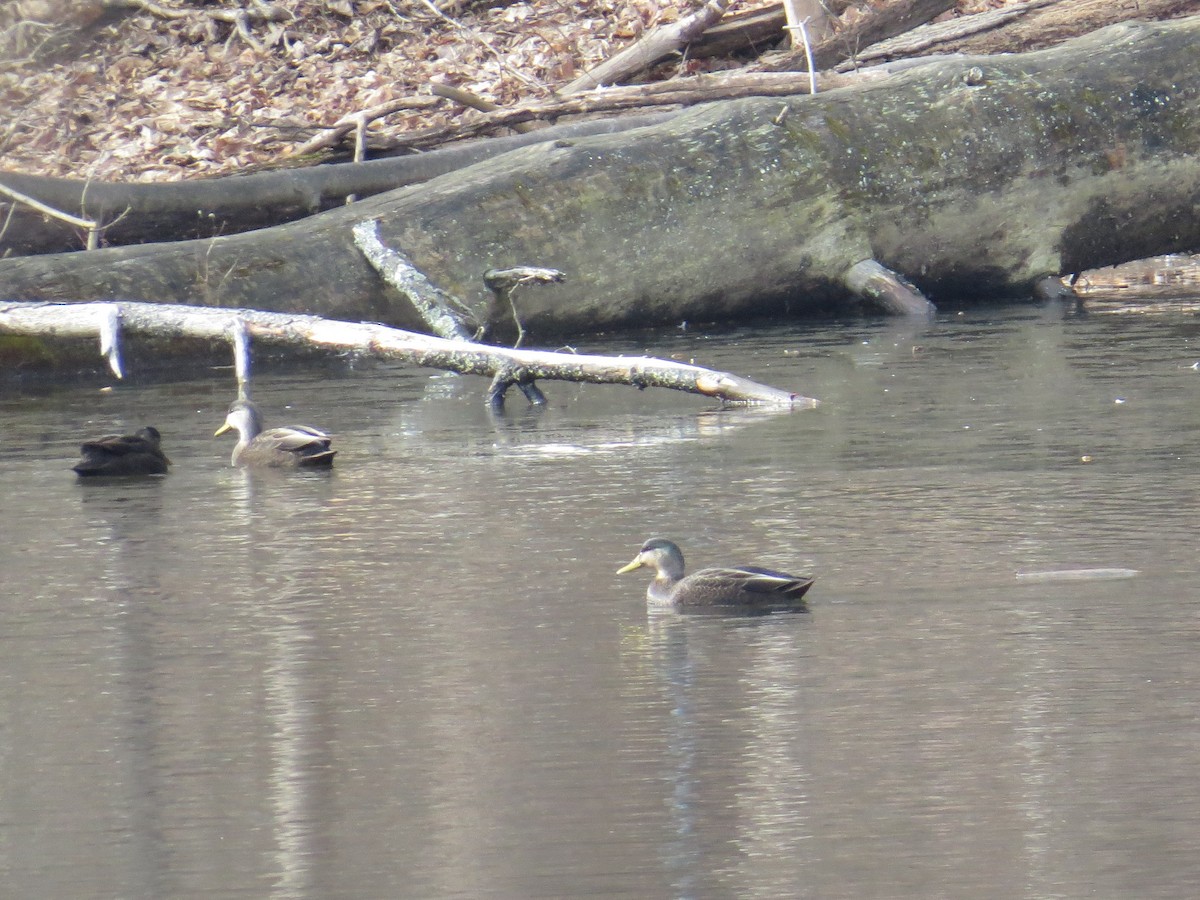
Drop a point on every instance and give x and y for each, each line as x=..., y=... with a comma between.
x=295, y=438
x=115, y=445
x=297, y=445
x=746, y=584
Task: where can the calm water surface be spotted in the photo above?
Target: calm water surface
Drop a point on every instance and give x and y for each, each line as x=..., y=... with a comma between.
x=417, y=676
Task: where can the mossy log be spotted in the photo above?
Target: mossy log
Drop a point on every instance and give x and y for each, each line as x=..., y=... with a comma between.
x=138, y=212
x=966, y=175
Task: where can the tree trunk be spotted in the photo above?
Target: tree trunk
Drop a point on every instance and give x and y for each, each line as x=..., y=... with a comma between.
x=977, y=175
x=134, y=213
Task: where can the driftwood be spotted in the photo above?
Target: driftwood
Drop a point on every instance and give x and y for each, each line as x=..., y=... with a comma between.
x=979, y=175
x=504, y=366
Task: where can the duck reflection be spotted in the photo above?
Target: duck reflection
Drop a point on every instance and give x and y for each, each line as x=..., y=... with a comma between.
x=282, y=594
x=127, y=518
x=736, y=749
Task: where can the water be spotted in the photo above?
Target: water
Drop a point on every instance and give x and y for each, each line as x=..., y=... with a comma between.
x=418, y=675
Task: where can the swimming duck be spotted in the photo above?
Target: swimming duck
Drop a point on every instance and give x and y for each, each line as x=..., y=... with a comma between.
x=744, y=586
x=287, y=445
x=123, y=454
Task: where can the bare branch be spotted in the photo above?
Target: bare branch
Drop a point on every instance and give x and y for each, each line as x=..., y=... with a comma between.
x=82, y=320
x=435, y=306
x=650, y=49
x=357, y=121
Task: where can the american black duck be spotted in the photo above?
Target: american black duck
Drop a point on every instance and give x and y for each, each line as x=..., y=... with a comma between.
x=285, y=446
x=740, y=586
x=123, y=454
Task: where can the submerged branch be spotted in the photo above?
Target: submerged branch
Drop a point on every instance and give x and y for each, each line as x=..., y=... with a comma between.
x=82, y=320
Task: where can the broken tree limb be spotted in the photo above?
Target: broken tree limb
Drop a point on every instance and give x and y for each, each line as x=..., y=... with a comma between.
x=91, y=227
x=503, y=284
x=880, y=24
x=110, y=336
x=1050, y=23
x=445, y=315
x=931, y=35
x=239, y=335
x=650, y=49
x=872, y=281
x=84, y=320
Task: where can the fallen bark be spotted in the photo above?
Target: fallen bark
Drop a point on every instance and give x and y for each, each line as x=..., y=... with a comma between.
x=504, y=366
x=972, y=175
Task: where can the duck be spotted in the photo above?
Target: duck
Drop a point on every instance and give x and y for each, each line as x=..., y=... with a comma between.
x=288, y=446
x=738, y=586
x=139, y=453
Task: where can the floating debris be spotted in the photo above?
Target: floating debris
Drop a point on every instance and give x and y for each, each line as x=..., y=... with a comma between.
x=1078, y=575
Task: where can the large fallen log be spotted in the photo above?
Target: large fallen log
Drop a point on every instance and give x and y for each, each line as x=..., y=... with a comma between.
x=136, y=212
x=979, y=175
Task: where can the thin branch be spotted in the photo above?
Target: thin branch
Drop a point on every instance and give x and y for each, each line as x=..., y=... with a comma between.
x=92, y=227
x=503, y=283
x=676, y=92
x=333, y=134
x=473, y=101
x=47, y=210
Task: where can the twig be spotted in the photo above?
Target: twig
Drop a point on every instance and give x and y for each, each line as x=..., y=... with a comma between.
x=12, y=211
x=91, y=225
x=471, y=101
x=333, y=135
